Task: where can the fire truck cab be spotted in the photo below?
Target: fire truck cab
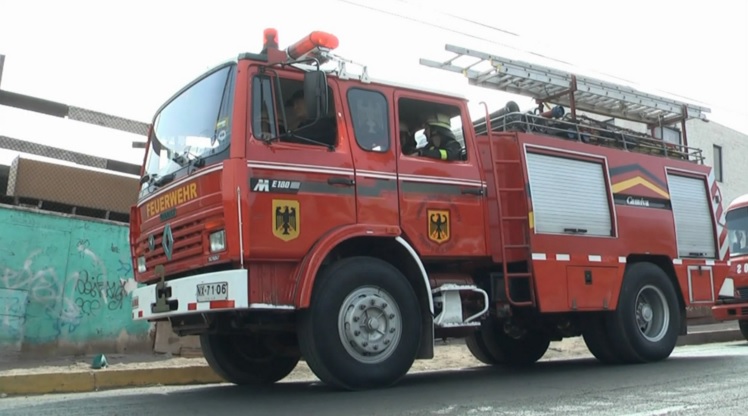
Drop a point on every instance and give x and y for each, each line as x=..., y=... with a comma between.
x=292, y=209
x=733, y=296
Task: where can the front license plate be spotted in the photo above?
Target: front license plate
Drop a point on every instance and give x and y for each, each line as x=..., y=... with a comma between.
x=207, y=292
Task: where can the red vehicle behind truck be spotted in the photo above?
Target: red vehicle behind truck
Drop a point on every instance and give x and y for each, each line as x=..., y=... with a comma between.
x=733, y=295
x=280, y=218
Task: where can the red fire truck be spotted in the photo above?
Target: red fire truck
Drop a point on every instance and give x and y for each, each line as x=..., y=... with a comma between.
x=289, y=208
x=733, y=296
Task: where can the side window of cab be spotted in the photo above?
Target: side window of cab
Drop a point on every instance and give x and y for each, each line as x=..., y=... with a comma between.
x=431, y=130
x=278, y=112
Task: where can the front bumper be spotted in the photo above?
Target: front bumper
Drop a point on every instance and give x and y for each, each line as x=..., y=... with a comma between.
x=731, y=311
x=225, y=290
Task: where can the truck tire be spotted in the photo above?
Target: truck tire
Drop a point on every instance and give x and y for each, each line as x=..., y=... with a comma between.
x=744, y=329
x=478, y=348
x=244, y=359
x=362, y=327
x=597, y=340
x=645, y=325
x=513, y=352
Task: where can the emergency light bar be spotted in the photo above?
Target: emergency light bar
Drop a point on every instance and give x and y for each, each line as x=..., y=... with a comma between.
x=315, y=46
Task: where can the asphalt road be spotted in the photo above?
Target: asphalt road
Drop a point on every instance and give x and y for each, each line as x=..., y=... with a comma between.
x=697, y=380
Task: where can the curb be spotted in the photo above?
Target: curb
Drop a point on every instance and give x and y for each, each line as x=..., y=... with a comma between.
x=710, y=337
x=81, y=382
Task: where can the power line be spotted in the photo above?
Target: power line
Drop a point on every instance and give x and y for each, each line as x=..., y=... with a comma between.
x=449, y=29
x=420, y=21
x=454, y=16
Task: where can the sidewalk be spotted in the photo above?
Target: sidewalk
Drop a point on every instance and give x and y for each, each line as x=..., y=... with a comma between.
x=62, y=375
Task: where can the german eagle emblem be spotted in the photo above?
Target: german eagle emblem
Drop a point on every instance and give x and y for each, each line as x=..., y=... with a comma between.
x=286, y=224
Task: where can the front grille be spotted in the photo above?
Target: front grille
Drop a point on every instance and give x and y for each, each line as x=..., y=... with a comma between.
x=188, y=239
x=742, y=292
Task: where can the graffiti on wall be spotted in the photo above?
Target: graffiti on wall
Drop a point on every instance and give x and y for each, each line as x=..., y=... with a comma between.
x=12, y=315
x=68, y=278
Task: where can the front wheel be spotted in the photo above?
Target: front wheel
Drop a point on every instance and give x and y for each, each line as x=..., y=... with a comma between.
x=362, y=329
x=744, y=328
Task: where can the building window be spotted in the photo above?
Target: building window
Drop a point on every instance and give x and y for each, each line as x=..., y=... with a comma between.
x=717, y=165
x=668, y=134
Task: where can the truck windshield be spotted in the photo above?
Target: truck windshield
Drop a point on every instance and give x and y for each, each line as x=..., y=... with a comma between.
x=737, y=226
x=192, y=130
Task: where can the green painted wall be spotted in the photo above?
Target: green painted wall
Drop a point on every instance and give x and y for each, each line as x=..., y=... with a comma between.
x=65, y=284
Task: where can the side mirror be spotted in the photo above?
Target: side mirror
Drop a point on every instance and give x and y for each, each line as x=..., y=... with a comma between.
x=315, y=93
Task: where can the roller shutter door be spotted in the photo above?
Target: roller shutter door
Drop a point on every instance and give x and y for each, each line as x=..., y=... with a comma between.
x=693, y=217
x=568, y=194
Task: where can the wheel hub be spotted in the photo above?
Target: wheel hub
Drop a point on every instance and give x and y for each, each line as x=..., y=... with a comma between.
x=369, y=324
x=372, y=324
x=647, y=313
x=652, y=313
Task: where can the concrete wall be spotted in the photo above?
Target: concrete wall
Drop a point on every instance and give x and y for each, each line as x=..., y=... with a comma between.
x=734, y=150
x=65, y=286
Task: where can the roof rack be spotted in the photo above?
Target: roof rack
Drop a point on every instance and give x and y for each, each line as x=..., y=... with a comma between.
x=548, y=85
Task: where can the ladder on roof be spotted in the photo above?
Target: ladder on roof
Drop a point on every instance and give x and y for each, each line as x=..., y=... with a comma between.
x=562, y=88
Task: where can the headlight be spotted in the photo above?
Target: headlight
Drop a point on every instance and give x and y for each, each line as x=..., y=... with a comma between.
x=218, y=241
x=141, y=264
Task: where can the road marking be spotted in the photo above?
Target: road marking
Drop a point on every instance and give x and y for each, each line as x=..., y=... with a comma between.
x=663, y=411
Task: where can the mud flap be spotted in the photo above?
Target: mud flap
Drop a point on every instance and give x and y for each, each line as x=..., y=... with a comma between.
x=426, y=350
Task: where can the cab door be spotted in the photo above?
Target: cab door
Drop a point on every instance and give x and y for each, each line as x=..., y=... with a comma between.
x=441, y=202
x=298, y=190
x=374, y=158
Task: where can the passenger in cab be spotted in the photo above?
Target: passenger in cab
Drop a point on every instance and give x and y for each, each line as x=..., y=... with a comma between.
x=442, y=143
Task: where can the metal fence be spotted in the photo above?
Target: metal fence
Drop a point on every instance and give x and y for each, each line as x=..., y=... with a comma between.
x=93, y=186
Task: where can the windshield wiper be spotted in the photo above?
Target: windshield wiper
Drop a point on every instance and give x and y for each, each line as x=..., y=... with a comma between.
x=198, y=162
x=153, y=179
x=163, y=180
x=149, y=177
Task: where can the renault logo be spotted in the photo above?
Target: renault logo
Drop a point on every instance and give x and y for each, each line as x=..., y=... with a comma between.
x=167, y=242
x=151, y=242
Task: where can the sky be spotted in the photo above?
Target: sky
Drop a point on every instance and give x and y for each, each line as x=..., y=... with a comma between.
x=128, y=59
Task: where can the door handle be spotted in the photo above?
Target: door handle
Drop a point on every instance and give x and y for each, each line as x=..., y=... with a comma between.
x=341, y=181
x=473, y=191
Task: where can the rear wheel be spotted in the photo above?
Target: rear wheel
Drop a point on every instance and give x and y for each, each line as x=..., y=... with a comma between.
x=645, y=325
x=478, y=348
x=246, y=359
x=363, y=325
x=505, y=350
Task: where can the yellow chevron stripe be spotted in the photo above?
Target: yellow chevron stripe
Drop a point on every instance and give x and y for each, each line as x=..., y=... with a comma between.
x=630, y=183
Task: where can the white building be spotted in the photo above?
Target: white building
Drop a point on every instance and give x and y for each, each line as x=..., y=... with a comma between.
x=726, y=150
